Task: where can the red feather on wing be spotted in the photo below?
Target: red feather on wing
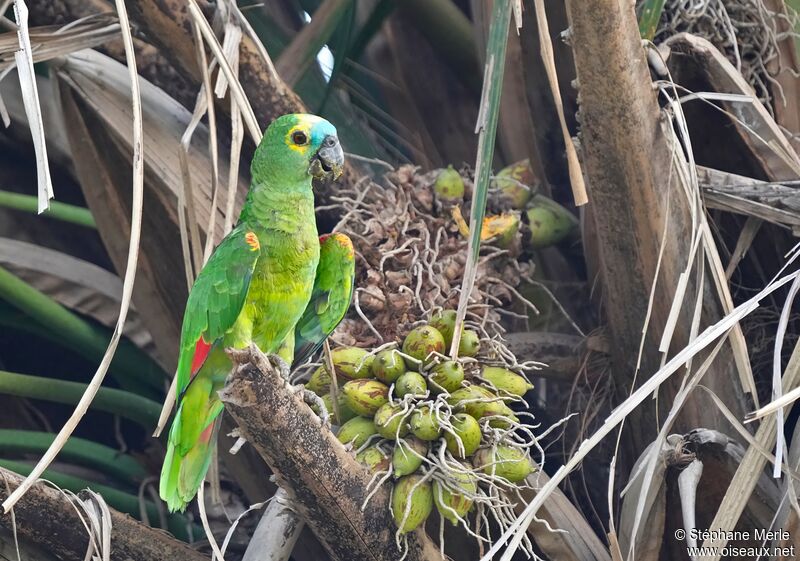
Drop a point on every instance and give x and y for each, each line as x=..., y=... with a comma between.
x=200, y=354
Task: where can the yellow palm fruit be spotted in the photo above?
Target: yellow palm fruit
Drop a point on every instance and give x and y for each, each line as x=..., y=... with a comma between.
x=421, y=342
x=449, y=185
x=508, y=462
x=365, y=396
x=506, y=380
x=424, y=424
x=388, y=366
x=467, y=432
x=454, y=504
x=374, y=458
x=549, y=222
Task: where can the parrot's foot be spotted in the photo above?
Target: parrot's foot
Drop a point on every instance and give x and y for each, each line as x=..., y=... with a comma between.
x=282, y=366
x=313, y=400
x=239, y=356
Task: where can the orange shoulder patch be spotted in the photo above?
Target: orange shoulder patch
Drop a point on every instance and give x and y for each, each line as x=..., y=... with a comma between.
x=345, y=243
x=252, y=241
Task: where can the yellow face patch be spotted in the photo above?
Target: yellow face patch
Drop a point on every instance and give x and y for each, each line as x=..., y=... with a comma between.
x=299, y=136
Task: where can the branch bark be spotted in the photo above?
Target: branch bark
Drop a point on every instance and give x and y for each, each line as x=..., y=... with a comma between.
x=627, y=164
x=47, y=518
x=326, y=483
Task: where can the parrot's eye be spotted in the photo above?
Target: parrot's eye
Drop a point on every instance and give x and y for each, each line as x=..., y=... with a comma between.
x=300, y=138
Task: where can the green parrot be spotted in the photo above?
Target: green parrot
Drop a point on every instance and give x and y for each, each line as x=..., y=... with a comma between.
x=271, y=279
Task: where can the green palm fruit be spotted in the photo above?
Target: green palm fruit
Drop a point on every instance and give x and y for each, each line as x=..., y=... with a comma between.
x=421, y=342
x=444, y=321
x=345, y=413
x=374, y=458
x=449, y=185
x=467, y=431
x=549, y=222
x=390, y=422
x=506, y=380
x=462, y=396
x=320, y=381
x=410, y=383
x=507, y=462
x=388, y=366
x=351, y=363
x=365, y=396
x=357, y=430
x=514, y=182
x=455, y=504
x=502, y=415
x=424, y=424
x=446, y=377
x=470, y=343
x=407, y=456
x=412, y=495
x=490, y=405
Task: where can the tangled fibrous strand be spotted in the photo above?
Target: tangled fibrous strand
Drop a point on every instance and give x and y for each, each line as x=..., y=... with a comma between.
x=745, y=31
x=411, y=257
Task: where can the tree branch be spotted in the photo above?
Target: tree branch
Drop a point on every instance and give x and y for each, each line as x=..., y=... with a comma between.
x=326, y=483
x=47, y=518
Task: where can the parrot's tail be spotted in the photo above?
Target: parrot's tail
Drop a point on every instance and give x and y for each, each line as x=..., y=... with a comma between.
x=182, y=473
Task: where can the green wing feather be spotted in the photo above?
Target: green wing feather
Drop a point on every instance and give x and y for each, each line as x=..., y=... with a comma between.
x=217, y=297
x=214, y=304
x=330, y=297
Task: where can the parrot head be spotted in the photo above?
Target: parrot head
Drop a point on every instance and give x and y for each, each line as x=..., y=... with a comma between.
x=299, y=146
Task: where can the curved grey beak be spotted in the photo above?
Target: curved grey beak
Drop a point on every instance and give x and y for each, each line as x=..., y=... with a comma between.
x=328, y=162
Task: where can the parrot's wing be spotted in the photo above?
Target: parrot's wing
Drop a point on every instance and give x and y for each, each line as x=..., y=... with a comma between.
x=330, y=297
x=216, y=299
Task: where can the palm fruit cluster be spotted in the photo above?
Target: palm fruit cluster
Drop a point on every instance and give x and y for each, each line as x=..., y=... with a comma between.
x=518, y=213
x=545, y=221
x=411, y=252
x=448, y=435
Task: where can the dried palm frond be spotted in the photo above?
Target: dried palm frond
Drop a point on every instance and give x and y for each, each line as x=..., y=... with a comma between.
x=52, y=41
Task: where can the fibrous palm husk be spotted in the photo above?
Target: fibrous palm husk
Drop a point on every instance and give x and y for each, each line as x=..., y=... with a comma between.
x=411, y=258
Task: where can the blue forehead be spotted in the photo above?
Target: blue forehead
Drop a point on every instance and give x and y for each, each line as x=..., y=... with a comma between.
x=320, y=130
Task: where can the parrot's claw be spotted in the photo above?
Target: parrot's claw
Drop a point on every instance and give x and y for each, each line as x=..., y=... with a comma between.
x=311, y=399
x=282, y=366
x=238, y=356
